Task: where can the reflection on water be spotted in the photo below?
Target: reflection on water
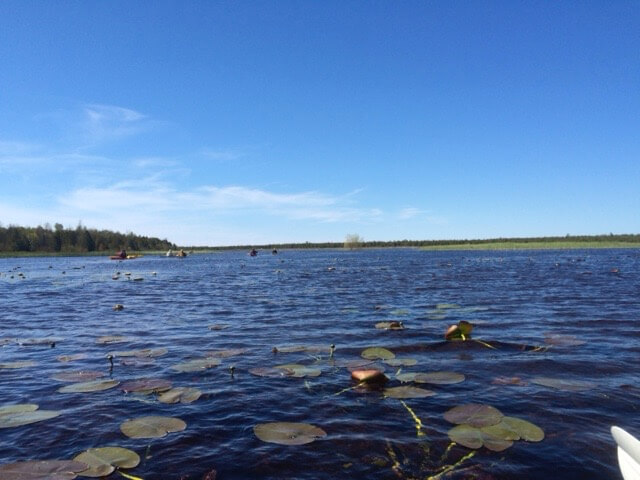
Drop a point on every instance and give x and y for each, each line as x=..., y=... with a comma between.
x=222, y=302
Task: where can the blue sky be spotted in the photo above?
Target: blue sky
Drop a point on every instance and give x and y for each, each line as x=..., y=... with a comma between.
x=225, y=123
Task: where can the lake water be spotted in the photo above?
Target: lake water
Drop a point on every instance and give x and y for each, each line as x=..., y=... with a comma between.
x=581, y=307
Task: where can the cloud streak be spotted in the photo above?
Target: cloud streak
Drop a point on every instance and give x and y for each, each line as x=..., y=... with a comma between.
x=109, y=122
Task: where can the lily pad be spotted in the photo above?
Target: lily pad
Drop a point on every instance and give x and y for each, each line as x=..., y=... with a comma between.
x=472, y=437
x=270, y=372
x=439, y=378
x=390, y=325
x=137, y=361
x=197, y=365
x=512, y=428
x=42, y=470
x=375, y=353
x=447, y=306
x=152, y=427
x=26, y=417
x=218, y=326
x=407, y=392
x=145, y=352
x=18, y=408
x=300, y=371
x=71, y=358
x=563, y=384
x=89, y=387
x=19, y=364
x=474, y=414
x=146, y=385
x=104, y=460
x=180, y=394
x=108, y=339
x=358, y=364
x=313, y=349
x=80, y=376
x=38, y=341
x=230, y=352
x=407, y=376
x=288, y=433
x=401, y=362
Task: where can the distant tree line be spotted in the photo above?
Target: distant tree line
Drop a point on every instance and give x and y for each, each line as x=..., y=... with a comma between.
x=79, y=240
x=350, y=240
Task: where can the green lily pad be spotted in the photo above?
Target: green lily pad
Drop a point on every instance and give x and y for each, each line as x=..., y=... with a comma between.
x=42, y=470
x=399, y=312
x=401, y=362
x=180, y=394
x=26, y=417
x=511, y=428
x=104, y=460
x=565, y=385
x=89, y=387
x=18, y=408
x=19, y=364
x=146, y=386
x=407, y=392
x=476, y=415
x=439, y=378
x=375, y=353
x=197, y=365
x=80, y=376
x=406, y=377
x=472, y=437
x=152, y=427
x=287, y=433
x=300, y=371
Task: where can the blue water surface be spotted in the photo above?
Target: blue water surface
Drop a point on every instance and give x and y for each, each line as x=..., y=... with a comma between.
x=516, y=300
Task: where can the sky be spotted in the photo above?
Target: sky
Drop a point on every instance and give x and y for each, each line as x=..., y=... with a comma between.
x=236, y=123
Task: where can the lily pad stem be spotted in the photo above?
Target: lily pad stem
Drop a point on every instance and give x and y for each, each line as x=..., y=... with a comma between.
x=347, y=389
x=449, y=468
x=416, y=419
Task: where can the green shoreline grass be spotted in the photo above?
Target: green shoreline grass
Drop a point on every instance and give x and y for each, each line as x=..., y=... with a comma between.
x=558, y=245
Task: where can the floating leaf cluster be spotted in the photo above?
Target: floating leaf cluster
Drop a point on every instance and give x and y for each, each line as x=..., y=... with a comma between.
x=481, y=425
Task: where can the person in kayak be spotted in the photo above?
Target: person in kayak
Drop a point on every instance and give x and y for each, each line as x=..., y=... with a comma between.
x=122, y=253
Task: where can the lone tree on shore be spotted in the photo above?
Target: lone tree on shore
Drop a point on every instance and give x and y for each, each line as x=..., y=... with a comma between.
x=352, y=241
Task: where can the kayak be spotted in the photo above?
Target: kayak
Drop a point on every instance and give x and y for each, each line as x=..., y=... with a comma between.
x=128, y=257
x=628, y=453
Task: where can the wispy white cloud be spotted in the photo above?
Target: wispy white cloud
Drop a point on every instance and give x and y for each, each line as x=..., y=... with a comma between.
x=109, y=122
x=154, y=196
